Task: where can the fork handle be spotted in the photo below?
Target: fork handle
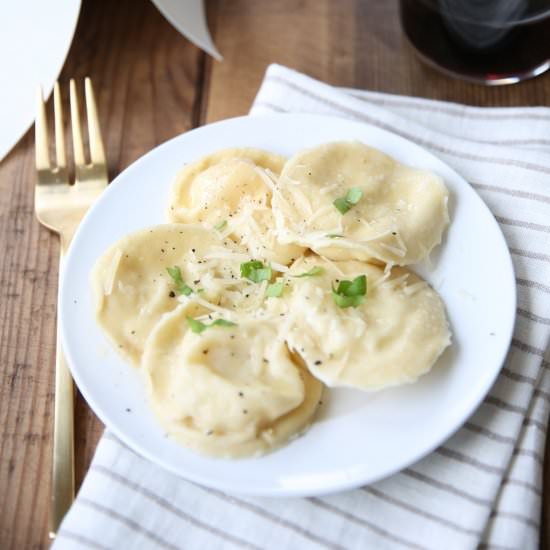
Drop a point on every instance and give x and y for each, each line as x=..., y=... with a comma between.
x=62, y=494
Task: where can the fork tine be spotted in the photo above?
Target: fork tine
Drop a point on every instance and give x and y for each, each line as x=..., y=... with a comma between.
x=97, y=152
x=41, y=134
x=78, y=145
x=60, y=157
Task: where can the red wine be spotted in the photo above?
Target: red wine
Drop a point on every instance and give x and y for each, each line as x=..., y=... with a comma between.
x=490, y=41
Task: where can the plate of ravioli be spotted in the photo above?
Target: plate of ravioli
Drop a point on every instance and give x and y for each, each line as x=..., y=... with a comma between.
x=287, y=305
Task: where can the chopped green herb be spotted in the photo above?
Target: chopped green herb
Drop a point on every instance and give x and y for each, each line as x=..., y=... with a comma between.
x=344, y=204
x=185, y=290
x=198, y=326
x=223, y=323
x=313, y=272
x=256, y=271
x=220, y=226
x=181, y=287
x=275, y=290
x=350, y=293
x=175, y=273
x=334, y=236
x=354, y=195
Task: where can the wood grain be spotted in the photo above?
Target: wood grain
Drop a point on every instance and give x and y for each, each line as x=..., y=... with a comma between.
x=147, y=78
x=350, y=43
x=151, y=85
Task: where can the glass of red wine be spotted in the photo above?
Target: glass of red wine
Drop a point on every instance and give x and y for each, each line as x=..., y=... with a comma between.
x=485, y=41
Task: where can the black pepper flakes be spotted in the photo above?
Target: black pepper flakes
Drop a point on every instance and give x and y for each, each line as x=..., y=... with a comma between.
x=172, y=294
x=205, y=352
x=241, y=394
x=245, y=411
x=318, y=362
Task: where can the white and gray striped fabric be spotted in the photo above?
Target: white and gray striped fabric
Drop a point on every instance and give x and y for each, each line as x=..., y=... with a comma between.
x=483, y=487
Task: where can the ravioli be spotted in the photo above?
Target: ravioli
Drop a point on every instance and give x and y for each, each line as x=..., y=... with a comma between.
x=230, y=190
x=234, y=345
x=230, y=391
x=397, y=216
x=393, y=337
x=133, y=289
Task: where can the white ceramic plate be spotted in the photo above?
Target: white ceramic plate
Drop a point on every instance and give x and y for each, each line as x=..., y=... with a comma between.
x=34, y=40
x=358, y=438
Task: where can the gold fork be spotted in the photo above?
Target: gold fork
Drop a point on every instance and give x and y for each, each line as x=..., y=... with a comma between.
x=60, y=207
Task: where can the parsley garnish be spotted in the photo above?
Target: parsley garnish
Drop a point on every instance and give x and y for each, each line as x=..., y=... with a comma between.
x=350, y=293
x=343, y=204
x=313, y=272
x=334, y=236
x=275, y=290
x=256, y=271
x=198, y=326
x=221, y=225
x=181, y=287
x=354, y=195
x=223, y=323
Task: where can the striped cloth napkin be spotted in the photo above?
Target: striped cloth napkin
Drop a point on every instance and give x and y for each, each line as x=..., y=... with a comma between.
x=483, y=487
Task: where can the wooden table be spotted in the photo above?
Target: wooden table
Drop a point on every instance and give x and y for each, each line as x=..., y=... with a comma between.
x=152, y=84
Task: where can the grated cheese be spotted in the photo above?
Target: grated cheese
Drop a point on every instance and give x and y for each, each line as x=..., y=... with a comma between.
x=111, y=273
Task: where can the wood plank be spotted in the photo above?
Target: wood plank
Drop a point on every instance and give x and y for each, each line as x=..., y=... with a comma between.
x=346, y=43
x=147, y=78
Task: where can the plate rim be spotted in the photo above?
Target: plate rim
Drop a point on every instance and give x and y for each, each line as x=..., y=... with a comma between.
x=279, y=490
